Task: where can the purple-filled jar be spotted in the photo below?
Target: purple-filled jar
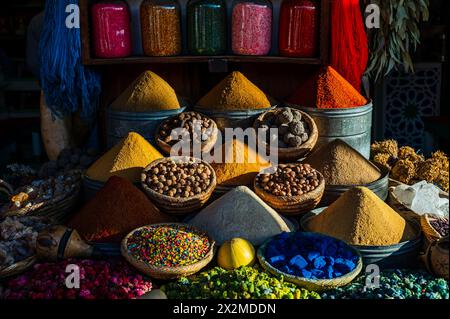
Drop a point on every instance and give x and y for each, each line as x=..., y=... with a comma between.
x=111, y=29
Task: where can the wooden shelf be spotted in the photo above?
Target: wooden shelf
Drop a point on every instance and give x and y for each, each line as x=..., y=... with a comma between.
x=322, y=59
x=206, y=59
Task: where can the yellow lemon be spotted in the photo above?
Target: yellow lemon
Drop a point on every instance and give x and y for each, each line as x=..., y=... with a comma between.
x=236, y=253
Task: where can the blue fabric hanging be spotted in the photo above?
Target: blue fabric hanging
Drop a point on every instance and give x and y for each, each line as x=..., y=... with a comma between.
x=67, y=84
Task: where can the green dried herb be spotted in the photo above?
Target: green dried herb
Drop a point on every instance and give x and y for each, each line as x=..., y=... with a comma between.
x=398, y=36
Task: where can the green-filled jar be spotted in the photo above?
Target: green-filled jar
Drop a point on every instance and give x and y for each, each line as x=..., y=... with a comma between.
x=207, y=27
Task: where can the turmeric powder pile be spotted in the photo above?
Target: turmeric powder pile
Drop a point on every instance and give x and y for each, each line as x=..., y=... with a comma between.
x=359, y=217
x=234, y=93
x=239, y=164
x=334, y=92
x=148, y=93
x=127, y=160
x=341, y=164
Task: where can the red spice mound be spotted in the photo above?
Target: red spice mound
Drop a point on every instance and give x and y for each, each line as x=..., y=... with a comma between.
x=117, y=209
x=327, y=90
x=334, y=92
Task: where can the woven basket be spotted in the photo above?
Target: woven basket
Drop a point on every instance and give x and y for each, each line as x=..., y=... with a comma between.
x=205, y=148
x=17, y=268
x=431, y=234
x=436, y=259
x=57, y=210
x=293, y=205
x=167, y=273
x=178, y=206
x=400, y=208
x=318, y=285
x=293, y=154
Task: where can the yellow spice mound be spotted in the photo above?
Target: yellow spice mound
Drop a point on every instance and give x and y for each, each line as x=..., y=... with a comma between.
x=127, y=160
x=234, y=93
x=359, y=217
x=147, y=93
x=241, y=168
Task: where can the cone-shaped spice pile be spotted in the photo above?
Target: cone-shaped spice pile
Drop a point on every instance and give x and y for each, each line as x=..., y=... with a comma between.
x=243, y=167
x=359, y=217
x=127, y=159
x=234, y=93
x=117, y=209
x=240, y=214
x=342, y=165
x=147, y=93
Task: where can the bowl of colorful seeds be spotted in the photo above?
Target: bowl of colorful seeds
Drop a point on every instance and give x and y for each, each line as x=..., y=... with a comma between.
x=168, y=251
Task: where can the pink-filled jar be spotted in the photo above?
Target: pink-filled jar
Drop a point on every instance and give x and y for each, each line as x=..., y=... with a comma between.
x=111, y=29
x=251, y=27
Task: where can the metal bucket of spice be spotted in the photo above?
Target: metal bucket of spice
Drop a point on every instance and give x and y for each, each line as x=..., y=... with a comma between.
x=352, y=125
x=234, y=119
x=119, y=124
x=398, y=256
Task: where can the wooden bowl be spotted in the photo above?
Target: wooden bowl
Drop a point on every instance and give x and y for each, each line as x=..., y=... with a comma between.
x=17, y=268
x=293, y=154
x=205, y=148
x=178, y=206
x=167, y=273
x=318, y=285
x=293, y=205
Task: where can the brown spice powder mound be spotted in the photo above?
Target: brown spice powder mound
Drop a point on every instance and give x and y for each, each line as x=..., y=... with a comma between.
x=341, y=164
x=359, y=217
x=117, y=209
x=234, y=93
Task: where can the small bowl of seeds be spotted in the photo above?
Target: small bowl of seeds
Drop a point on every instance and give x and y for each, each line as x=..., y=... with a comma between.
x=294, y=131
x=290, y=189
x=179, y=185
x=189, y=128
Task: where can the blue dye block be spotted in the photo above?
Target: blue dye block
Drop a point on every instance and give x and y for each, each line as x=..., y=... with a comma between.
x=320, y=262
x=287, y=270
x=344, y=265
x=330, y=261
x=319, y=274
x=313, y=255
x=298, y=262
x=305, y=273
x=280, y=259
x=329, y=272
x=272, y=251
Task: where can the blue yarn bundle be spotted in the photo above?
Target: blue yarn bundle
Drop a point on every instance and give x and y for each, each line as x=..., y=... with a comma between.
x=66, y=83
x=310, y=256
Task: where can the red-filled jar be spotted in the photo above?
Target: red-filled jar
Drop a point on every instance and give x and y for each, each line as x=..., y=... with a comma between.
x=299, y=28
x=111, y=29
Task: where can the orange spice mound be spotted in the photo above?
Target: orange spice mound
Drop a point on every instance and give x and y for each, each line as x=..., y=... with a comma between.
x=335, y=92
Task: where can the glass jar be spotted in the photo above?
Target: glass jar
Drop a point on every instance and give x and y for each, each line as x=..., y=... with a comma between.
x=111, y=29
x=161, y=27
x=136, y=34
x=207, y=27
x=251, y=27
x=299, y=28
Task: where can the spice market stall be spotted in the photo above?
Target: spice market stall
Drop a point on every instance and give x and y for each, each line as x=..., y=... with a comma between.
x=236, y=161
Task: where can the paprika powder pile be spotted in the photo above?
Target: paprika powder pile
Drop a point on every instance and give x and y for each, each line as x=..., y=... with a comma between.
x=117, y=209
x=330, y=91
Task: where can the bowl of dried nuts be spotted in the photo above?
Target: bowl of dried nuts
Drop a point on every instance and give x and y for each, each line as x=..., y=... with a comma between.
x=290, y=189
x=189, y=128
x=294, y=131
x=179, y=185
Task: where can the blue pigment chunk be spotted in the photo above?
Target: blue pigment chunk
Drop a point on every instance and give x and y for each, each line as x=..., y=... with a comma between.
x=320, y=262
x=313, y=255
x=287, y=270
x=305, y=273
x=298, y=262
x=318, y=273
x=277, y=259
